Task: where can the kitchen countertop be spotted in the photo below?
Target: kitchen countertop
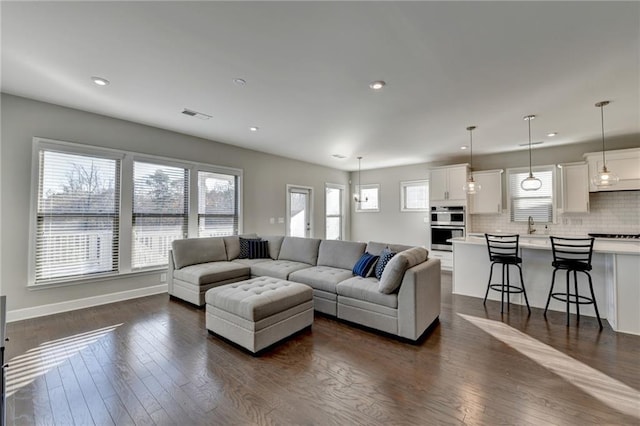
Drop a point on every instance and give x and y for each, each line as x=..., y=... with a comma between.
x=542, y=242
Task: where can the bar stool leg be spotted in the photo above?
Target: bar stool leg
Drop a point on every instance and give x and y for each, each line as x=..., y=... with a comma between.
x=508, y=289
x=502, y=292
x=553, y=282
x=568, y=302
x=575, y=286
x=523, y=290
x=489, y=283
x=595, y=305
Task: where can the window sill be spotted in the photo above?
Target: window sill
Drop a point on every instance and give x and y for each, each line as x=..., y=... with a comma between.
x=96, y=279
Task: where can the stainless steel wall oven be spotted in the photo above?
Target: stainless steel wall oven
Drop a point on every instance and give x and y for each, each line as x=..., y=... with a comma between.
x=446, y=222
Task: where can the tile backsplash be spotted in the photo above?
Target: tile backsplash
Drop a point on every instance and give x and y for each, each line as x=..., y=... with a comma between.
x=610, y=212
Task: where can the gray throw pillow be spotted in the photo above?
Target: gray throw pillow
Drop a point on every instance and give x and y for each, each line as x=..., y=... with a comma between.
x=395, y=269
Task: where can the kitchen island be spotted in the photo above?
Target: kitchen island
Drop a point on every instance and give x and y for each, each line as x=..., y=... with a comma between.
x=615, y=274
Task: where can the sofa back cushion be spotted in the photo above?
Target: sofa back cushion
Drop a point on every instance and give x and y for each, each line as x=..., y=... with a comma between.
x=192, y=251
x=340, y=254
x=275, y=242
x=395, y=269
x=232, y=244
x=297, y=249
x=376, y=248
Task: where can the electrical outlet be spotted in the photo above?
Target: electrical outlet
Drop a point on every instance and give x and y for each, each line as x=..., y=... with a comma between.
x=272, y=220
x=163, y=278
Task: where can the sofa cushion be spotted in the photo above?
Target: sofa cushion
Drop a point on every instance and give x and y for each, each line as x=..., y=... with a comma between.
x=366, y=289
x=297, y=249
x=277, y=268
x=395, y=269
x=244, y=247
x=250, y=262
x=192, y=251
x=275, y=242
x=321, y=277
x=366, y=265
x=340, y=254
x=207, y=273
x=232, y=244
x=258, y=249
x=385, y=256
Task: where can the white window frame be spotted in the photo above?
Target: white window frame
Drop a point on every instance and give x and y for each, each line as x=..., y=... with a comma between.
x=358, y=206
x=554, y=193
x=126, y=203
x=410, y=183
x=341, y=216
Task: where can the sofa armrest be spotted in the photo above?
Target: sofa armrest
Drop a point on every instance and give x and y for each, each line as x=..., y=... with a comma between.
x=419, y=299
x=170, y=268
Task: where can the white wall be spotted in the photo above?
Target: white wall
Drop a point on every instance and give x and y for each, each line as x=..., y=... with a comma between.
x=265, y=179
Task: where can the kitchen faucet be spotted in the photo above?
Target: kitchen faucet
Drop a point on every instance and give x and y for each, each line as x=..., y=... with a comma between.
x=530, y=228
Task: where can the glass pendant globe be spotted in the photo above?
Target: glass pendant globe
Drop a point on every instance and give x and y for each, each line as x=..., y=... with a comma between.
x=531, y=183
x=605, y=178
x=471, y=187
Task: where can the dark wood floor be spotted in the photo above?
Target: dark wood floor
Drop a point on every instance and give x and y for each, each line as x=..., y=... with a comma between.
x=151, y=361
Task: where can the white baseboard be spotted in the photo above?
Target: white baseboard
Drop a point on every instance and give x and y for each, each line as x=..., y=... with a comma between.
x=72, y=305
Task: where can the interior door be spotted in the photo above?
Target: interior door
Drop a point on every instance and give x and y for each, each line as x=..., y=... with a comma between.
x=299, y=212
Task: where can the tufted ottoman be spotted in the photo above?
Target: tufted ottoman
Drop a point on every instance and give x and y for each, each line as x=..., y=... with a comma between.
x=257, y=313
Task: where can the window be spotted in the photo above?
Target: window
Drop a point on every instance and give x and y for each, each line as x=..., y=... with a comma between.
x=334, y=211
x=102, y=212
x=77, y=215
x=370, y=200
x=160, y=211
x=537, y=204
x=217, y=204
x=414, y=196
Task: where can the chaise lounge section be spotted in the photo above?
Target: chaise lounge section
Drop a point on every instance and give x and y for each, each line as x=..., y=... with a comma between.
x=405, y=301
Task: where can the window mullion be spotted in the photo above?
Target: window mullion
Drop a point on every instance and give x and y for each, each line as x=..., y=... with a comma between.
x=126, y=219
x=192, y=220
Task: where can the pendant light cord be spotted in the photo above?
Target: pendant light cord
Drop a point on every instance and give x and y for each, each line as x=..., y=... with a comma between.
x=471, y=149
x=604, y=163
x=530, y=173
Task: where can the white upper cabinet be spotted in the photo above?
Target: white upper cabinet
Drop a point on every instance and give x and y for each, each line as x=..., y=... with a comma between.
x=575, y=187
x=623, y=162
x=489, y=199
x=446, y=184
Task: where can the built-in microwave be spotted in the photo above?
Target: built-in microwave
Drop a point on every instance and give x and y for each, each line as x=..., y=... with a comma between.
x=447, y=215
x=440, y=234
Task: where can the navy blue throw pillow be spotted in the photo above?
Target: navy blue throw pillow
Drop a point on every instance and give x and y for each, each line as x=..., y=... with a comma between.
x=385, y=257
x=365, y=266
x=258, y=249
x=244, y=247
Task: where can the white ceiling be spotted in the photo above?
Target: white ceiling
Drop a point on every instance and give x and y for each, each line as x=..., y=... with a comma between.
x=308, y=66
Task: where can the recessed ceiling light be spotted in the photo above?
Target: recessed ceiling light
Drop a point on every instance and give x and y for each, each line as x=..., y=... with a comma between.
x=254, y=128
x=464, y=147
x=377, y=85
x=100, y=81
x=340, y=156
x=240, y=81
x=552, y=134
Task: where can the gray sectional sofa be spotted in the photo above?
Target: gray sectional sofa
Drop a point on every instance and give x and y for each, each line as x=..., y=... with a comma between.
x=199, y=264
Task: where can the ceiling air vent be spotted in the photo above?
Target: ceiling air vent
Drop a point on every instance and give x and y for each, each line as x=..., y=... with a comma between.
x=196, y=114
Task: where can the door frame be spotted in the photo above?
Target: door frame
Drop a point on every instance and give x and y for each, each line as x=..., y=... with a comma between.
x=287, y=221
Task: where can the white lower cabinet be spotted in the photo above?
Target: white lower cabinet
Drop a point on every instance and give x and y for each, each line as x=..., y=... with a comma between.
x=446, y=259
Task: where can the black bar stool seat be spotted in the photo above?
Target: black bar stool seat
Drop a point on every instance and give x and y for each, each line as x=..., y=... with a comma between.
x=572, y=255
x=503, y=250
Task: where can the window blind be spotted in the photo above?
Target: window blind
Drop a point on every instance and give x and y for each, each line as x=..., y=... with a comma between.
x=537, y=204
x=333, y=213
x=77, y=216
x=415, y=195
x=160, y=211
x=217, y=204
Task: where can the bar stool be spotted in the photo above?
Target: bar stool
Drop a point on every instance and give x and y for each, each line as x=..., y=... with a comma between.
x=503, y=249
x=572, y=255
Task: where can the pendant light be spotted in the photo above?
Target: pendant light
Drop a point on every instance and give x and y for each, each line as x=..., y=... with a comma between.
x=357, y=197
x=604, y=178
x=471, y=186
x=530, y=183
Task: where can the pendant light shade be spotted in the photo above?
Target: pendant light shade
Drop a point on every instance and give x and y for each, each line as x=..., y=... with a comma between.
x=471, y=186
x=530, y=183
x=605, y=178
x=357, y=197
